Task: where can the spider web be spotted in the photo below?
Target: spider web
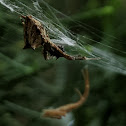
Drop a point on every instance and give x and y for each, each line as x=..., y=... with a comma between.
x=74, y=44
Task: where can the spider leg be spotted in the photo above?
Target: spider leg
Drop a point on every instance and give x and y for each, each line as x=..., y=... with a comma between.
x=45, y=54
x=22, y=16
x=22, y=19
x=97, y=58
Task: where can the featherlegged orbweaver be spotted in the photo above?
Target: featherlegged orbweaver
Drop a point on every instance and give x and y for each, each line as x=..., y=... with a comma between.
x=35, y=36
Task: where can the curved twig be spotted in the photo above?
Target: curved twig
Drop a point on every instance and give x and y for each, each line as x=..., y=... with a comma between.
x=63, y=110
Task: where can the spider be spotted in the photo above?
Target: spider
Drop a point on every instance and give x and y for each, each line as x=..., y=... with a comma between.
x=35, y=36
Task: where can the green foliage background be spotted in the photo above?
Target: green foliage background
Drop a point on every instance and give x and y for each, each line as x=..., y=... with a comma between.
x=29, y=84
